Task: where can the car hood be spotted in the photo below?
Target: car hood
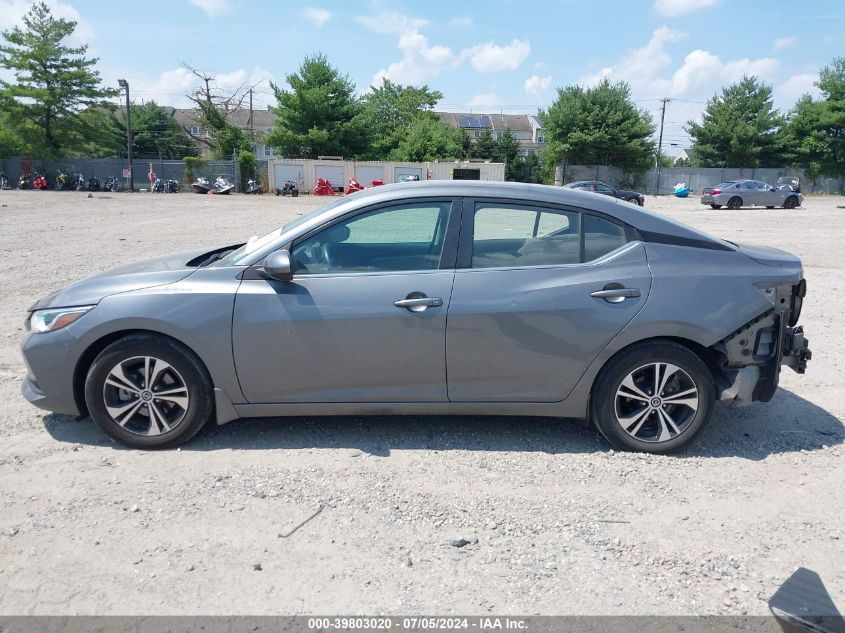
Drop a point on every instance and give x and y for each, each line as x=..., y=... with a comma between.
x=153, y=272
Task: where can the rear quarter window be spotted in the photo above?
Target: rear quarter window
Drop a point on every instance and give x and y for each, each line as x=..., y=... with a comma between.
x=601, y=237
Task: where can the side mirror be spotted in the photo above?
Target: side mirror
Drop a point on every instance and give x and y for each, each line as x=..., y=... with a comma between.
x=278, y=266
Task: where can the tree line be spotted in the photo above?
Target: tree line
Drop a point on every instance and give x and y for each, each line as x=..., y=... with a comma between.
x=57, y=106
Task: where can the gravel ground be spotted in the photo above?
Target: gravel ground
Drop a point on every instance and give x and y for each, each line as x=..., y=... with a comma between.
x=550, y=520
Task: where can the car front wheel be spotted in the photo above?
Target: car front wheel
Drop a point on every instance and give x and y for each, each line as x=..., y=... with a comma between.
x=653, y=398
x=149, y=392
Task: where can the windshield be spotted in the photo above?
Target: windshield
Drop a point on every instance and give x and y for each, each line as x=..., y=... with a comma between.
x=254, y=244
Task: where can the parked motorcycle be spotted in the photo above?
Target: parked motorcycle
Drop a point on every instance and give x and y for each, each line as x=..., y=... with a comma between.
x=323, y=187
x=79, y=182
x=112, y=184
x=289, y=188
x=222, y=186
x=62, y=181
x=165, y=186
x=201, y=185
x=252, y=186
x=93, y=183
x=4, y=181
x=23, y=181
x=40, y=181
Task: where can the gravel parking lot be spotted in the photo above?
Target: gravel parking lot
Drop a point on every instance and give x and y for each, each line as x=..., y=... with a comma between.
x=555, y=522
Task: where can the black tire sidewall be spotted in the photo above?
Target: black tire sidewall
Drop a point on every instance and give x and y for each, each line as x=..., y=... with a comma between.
x=184, y=361
x=735, y=206
x=602, y=404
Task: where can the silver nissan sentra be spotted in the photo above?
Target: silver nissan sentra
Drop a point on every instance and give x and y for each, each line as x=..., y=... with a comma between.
x=429, y=298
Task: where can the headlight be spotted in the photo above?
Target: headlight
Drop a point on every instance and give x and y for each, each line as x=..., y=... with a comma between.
x=55, y=319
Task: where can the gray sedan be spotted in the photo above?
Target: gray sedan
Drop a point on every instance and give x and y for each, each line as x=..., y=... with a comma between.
x=735, y=194
x=429, y=298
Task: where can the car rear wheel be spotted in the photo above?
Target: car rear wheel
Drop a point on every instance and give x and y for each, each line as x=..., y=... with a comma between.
x=790, y=203
x=149, y=392
x=654, y=398
x=636, y=201
x=735, y=203
x=715, y=206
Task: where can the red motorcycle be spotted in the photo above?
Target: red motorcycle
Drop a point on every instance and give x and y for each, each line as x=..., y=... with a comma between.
x=323, y=188
x=40, y=181
x=354, y=186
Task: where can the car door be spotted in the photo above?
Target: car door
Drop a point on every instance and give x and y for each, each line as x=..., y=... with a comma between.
x=364, y=317
x=602, y=188
x=768, y=196
x=539, y=291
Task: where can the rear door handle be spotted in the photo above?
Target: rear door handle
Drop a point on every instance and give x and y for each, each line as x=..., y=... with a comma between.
x=418, y=304
x=615, y=295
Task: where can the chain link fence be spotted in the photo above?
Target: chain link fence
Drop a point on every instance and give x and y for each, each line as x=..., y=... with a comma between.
x=697, y=178
x=105, y=168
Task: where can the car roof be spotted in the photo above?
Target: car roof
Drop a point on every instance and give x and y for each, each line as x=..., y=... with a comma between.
x=647, y=222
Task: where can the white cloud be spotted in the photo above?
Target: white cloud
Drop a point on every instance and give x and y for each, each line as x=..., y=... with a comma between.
x=784, y=42
x=171, y=86
x=788, y=92
x=214, y=7
x=490, y=57
x=422, y=61
x=640, y=62
x=317, y=16
x=461, y=22
x=652, y=75
x=486, y=100
x=419, y=62
x=12, y=12
x=535, y=84
x=674, y=8
x=391, y=23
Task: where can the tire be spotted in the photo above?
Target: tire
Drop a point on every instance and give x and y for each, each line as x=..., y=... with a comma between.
x=177, y=372
x=768, y=207
x=715, y=206
x=735, y=203
x=790, y=203
x=649, y=431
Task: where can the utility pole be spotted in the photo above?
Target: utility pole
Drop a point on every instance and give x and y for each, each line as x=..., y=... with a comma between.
x=251, y=126
x=125, y=85
x=665, y=100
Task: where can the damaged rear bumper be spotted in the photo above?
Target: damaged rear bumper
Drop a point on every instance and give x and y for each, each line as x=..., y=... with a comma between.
x=753, y=354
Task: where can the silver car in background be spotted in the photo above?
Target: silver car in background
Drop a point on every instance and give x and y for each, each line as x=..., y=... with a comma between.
x=735, y=194
x=431, y=297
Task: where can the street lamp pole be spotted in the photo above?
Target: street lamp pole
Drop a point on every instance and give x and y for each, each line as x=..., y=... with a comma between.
x=125, y=85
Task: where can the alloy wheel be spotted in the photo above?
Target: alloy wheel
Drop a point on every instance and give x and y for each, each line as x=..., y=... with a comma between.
x=656, y=402
x=145, y=396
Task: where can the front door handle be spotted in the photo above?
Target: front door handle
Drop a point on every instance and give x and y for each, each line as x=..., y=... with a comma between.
x=615, y=295
x=417, y=302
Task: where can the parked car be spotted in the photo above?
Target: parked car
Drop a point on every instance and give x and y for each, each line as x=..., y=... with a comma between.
x=789, y=182
x=596, y=186
x=559, y=303
x=735, y=194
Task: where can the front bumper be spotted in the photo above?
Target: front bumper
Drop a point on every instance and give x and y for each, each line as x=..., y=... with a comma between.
x=50, y=359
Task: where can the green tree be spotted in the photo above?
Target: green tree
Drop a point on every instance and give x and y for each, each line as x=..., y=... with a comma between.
x=599, y=125
x=740, y=128
x=390, y=111
x=527, y=169
x=319, y=115
x=464, y=142
x=507, y=152
x=156, y=133
x=248, y=166
x=53, y=82
x=485, y=146
x=427, y=140
x=11, y=143
x=816, y=128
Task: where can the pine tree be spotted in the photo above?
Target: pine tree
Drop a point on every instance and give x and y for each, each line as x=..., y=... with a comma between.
x=53, y=82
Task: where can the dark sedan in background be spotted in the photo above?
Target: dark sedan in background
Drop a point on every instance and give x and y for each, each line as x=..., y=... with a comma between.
x=597, y=186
